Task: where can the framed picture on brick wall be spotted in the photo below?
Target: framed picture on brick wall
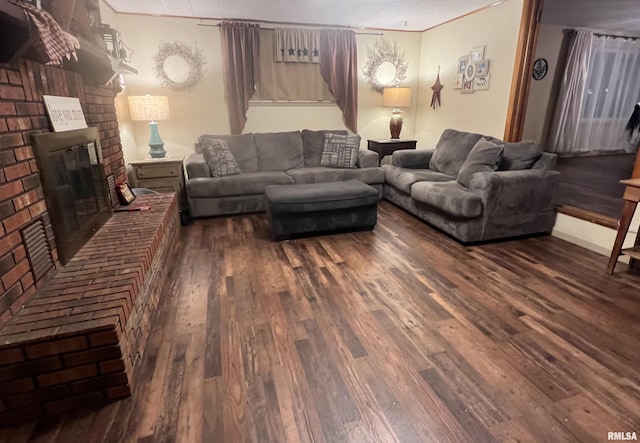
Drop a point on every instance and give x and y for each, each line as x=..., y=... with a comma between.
x=125, y=195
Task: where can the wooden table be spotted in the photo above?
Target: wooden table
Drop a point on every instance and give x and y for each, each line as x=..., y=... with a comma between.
x=162, y=175
x=389, y=146
x=631, y=197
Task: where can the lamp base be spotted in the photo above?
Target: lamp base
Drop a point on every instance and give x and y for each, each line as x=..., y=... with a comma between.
x=157, y=151
x=156, y=145
x=395, y=124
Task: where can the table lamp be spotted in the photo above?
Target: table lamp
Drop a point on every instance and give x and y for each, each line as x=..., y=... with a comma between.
x=151, y=108
x=396, y=98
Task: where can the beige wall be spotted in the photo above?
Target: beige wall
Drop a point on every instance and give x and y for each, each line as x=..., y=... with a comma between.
x=539, y=108
x=203, y=110
x=483, y=111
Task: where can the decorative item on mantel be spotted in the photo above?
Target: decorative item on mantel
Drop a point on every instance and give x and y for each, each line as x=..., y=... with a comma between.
x=50, y=41
x=151, y=108
x=396, y=98
x=436, y=88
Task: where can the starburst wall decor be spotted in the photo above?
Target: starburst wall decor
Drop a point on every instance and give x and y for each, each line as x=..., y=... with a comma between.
x=193, y=57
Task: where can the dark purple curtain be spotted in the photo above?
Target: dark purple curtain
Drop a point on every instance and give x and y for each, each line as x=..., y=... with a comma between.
x=339, y=68
x=240, y=55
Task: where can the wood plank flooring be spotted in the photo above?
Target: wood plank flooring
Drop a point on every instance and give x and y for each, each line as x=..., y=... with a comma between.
x=395, y=335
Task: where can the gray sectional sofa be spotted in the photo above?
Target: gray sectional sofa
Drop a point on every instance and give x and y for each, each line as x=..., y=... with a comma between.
x=505, y=195
x=269, y=159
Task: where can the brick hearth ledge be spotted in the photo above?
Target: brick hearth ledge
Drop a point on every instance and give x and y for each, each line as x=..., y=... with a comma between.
x=78, y=340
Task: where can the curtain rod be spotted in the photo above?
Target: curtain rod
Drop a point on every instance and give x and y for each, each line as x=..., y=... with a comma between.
x=273, y=29
x=628, y=37
x=602, y=33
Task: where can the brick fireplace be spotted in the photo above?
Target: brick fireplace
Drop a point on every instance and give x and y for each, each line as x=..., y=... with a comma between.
x=72, y=335
x=22, y=112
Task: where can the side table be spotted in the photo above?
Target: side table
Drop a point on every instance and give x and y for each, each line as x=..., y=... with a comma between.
x=631, y=199
x=389, y=146
x=162, y=175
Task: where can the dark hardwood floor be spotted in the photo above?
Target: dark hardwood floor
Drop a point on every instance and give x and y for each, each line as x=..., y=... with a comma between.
x=399, y=334
x=591, y=183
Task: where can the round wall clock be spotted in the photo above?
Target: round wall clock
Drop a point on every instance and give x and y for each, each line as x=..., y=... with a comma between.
x=540, y=68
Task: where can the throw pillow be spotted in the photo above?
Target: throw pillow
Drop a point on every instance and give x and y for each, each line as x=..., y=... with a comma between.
x=219, y=158
x=340, y=151
x=484, y=156
x=521, y=155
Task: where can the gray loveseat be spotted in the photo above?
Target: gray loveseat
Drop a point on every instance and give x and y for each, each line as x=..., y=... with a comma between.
x=512, y=197
x=269, y=159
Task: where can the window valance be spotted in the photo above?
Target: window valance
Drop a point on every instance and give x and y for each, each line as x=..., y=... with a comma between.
x=297, y=45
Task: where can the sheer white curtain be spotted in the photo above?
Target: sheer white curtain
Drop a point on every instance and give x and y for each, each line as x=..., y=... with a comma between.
x=600, y=86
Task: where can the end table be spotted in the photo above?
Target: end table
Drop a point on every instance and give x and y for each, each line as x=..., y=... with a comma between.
x=389, y=146
x=162, y=175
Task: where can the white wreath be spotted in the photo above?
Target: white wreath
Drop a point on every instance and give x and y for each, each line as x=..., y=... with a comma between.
x=385, y=51
x=193, y=57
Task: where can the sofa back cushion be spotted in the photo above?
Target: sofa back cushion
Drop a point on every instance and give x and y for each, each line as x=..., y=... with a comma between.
x=452, y=150
x=243, y=148
x=279, y=151
x=521, y=155
x=313, y=142
x=484, y=157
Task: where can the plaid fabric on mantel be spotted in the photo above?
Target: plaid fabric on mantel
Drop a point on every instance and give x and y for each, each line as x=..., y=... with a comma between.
x=49, y=39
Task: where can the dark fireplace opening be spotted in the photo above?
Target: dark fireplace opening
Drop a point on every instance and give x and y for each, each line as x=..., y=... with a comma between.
x=75, y=187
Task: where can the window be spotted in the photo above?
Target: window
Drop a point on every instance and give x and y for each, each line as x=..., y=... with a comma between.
x=286, y=82
x=613, y=83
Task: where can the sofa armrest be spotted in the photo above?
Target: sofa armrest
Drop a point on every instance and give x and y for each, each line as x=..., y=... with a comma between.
x=367, y=159
x=412, y=159
x=196, y=166
x=547, y=160
x=523, y=192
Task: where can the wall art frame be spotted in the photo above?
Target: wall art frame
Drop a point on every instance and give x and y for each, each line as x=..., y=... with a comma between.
x=476, y=54
x=481, y=83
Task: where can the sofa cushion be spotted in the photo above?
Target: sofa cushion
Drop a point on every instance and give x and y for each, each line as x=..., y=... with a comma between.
x=197, y=166
x=484, y=157
x=451, y=198
x=243, y=148
x=242, y=184
x=521, y=155
x=403, y=178
x=219, y=158
x=279, y=151
x=452, y=150
x=340, y=151
x=320, y=174
x=313, y=142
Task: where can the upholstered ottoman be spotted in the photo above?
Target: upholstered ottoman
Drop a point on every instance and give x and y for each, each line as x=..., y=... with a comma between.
x=320, y=207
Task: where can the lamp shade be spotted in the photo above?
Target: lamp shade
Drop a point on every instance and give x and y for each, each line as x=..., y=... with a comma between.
x=149, y=107
x=396, y=97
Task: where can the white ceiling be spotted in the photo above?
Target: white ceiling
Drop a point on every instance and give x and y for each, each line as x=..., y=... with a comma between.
x=616, y=16
x=621, y=16
x=405, y=15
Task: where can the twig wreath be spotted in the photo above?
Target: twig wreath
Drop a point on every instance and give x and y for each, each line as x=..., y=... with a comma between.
x=381, y=52
x=193, y=57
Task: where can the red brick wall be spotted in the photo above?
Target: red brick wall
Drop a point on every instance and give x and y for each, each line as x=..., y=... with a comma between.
x=22, y=85
x=79, y=340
